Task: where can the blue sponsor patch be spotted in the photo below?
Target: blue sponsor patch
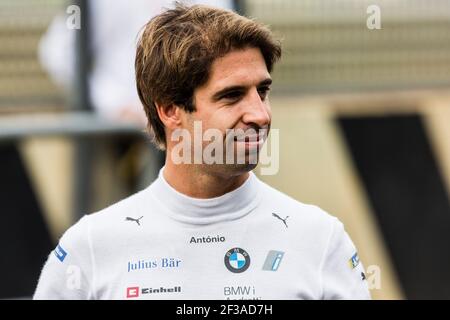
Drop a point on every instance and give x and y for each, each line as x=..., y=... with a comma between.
x=273, y=260
x=354, y=261
x=60, y=253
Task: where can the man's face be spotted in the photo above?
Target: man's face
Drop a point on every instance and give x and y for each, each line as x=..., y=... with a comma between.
x=235, y=97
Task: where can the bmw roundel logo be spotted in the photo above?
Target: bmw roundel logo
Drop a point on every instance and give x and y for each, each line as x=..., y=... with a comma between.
x=237, y=260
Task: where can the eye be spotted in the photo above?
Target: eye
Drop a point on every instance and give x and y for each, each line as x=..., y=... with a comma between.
x=263, y=92
x=232, y=95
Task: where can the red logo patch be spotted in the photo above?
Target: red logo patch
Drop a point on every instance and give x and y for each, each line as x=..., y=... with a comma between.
x=132, y=292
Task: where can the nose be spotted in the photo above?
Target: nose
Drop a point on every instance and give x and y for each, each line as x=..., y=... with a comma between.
x=257, y=111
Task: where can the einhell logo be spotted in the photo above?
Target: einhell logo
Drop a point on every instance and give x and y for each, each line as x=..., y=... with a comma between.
x=133, y=292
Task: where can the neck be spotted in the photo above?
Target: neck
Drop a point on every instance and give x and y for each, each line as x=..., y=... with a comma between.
x=192, y=181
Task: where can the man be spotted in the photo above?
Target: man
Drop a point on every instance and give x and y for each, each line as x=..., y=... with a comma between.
x=205, y=229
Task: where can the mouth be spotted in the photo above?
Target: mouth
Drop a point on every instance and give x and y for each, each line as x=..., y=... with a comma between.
x=250, y=141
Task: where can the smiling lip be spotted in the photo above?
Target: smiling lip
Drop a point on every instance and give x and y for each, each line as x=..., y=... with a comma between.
x=248, y=139
x=254, y=142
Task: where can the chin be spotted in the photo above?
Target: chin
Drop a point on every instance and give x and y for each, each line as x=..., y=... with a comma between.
x=230, y=170
x=241, y=168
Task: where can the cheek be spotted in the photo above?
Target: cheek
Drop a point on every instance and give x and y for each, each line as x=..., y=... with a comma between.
x=224, y=119
x=204, y=123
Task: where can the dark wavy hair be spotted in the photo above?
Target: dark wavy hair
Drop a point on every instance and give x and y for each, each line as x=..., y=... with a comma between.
x=177, y=48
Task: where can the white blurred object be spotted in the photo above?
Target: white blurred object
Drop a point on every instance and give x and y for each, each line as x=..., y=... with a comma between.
x=114, y=33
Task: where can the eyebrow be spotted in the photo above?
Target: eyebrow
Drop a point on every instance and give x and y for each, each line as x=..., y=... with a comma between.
x=225, y=90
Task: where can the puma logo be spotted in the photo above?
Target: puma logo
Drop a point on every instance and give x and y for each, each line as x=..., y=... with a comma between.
x=278, y=217
x=135, y=220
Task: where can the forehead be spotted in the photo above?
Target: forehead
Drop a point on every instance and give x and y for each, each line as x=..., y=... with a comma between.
x=245, y=67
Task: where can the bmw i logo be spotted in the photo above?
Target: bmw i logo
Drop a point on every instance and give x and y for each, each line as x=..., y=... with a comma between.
x=237, y=260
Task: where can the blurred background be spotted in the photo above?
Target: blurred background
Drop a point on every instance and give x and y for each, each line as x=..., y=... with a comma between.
x=363, y=114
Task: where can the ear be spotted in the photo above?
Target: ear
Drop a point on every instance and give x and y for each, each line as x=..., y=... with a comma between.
x=170, y=115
